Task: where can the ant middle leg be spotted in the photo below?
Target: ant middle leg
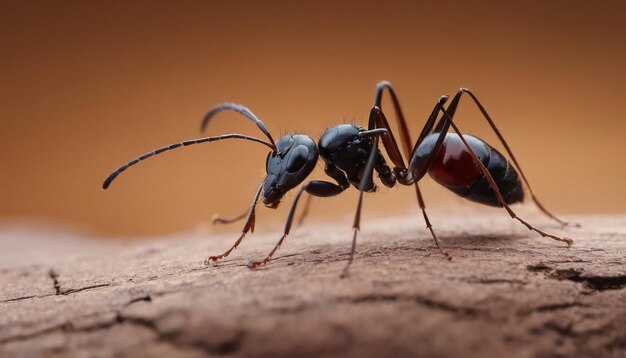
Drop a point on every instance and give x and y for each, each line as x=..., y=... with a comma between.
x=378, y=120
x=305, y=210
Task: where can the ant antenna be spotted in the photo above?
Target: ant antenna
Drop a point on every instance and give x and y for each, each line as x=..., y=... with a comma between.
x=241, y=110
x=186, y=143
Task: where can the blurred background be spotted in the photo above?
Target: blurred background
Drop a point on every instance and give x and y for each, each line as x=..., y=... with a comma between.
x=88, y=85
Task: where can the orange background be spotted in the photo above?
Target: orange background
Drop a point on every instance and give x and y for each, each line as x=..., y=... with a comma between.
x=86, y=86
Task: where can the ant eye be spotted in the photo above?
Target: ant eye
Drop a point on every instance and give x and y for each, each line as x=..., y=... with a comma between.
x=297, y=159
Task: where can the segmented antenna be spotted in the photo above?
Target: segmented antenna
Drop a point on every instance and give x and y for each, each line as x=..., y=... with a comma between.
x=114, y=175
x=241, y=110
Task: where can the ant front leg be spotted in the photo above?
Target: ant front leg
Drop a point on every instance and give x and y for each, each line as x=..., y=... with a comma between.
x=217, y=219
x=248, y=226
x=313, y=188
x=305, y=211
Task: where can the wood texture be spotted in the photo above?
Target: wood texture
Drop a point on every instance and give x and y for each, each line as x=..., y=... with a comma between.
x=507, y=292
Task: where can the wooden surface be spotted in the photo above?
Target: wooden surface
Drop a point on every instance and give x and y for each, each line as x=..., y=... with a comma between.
x=507, y=292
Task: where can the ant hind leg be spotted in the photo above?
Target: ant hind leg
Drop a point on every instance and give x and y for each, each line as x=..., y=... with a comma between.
x=451, y=111
x=495, y=189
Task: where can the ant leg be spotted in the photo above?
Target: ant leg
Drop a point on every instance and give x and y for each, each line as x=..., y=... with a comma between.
x=495, y=189
x=367, y=177
x=305, y=211
x=404, y=129
x=377, y=118
x=220, y=220
x=451, y=111
x=407, y=143
x=249, y=226
x=316, y=188
x=385, y=174
x=429, y=226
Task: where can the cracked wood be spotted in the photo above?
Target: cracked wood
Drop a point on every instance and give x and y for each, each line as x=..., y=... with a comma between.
x=506, y=292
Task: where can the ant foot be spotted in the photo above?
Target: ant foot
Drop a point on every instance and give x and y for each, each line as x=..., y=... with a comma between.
x=255, y=264
x=211, y=260
x=345, y=273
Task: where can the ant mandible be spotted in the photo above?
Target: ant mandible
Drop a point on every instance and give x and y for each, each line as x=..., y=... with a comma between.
x=464, y=164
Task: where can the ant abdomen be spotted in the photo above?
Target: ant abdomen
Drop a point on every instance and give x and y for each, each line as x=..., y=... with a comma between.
x=454, y=168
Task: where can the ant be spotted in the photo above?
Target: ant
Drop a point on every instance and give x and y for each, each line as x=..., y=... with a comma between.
x=462, y=163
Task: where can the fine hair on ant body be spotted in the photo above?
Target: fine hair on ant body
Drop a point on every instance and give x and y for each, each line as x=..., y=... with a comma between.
x=462, y=163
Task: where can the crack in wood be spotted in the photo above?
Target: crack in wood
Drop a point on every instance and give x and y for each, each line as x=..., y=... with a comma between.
x=494, y=281
x=17, y=299
x=552, y=307
x=177, y=339
x=424, y=301
x=80, y=289
x=69, y=326
x=595, y=282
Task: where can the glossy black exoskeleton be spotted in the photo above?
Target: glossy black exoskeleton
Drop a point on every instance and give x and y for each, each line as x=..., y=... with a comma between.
x=464, y=164
x=292, y=162
x=454, y=168
x=344, y=147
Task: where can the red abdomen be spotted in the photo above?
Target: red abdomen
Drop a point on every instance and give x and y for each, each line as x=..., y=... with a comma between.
x=453, y=166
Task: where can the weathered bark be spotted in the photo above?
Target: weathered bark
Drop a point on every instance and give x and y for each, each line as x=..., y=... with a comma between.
x=507, y=292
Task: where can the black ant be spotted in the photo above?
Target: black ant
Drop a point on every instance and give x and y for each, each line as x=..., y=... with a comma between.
x=464, y=164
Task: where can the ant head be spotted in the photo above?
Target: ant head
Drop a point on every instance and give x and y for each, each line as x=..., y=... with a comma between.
x=292, y=162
